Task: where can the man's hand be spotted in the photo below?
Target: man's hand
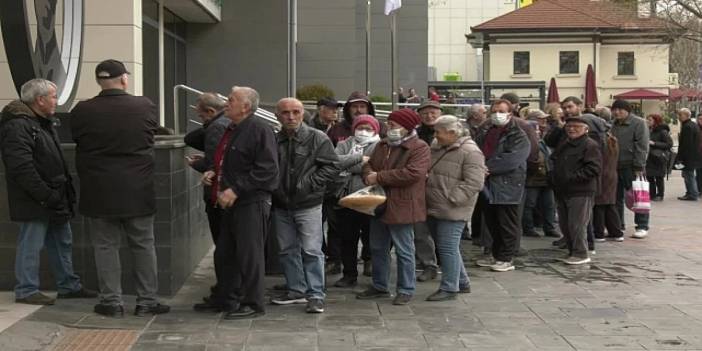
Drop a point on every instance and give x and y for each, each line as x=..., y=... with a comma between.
x=207, y=178
x=226, y=198
x=639, y=174
x=372, y=178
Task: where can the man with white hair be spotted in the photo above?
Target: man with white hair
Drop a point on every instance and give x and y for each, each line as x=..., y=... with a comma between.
x=689, y=154
x=476, y=115
x=40, y=193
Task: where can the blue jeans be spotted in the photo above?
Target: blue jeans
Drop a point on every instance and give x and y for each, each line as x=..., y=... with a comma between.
x=299, y=234
x=447, y=234
x=58, y=239
x=690, y=183
x=382, y=236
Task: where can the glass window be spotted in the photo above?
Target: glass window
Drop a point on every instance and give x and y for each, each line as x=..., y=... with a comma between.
x=569, y=62
x=521, y=62
x=149, y=49
x=625, y=64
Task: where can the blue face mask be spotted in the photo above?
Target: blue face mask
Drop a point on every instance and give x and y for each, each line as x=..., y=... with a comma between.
x=500, y=118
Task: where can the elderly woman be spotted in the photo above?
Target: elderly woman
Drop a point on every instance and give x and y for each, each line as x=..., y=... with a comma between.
x=455, y=178
x=353, y=153
x=659, y=146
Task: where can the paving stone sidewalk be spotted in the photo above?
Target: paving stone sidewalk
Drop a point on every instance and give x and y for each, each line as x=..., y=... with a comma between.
x=636, y=295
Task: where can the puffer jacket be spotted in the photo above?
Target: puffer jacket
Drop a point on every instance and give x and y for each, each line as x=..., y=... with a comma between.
x=402, y=172
x=351, y=164
x=307, y=163
x=507, y=166
x=455, y=179
x=39, y=186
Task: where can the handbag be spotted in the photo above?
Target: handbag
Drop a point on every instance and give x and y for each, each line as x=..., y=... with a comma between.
x=638, y=199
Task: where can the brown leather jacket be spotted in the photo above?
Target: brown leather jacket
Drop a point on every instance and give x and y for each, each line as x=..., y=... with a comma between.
x=402, y=172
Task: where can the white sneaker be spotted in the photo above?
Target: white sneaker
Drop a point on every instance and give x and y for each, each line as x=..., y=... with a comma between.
x=640, y=234
x=501, y=266
x=600, y=240
x=577, y=260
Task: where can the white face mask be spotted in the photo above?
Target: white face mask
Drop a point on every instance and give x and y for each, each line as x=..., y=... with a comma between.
x=500, y=118
x=395, y=134
x=364, y=134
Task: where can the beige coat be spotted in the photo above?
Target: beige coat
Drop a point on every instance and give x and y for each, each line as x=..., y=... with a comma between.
x=455, y=179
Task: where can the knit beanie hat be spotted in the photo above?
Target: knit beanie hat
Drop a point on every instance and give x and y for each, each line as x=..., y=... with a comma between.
x=621, y=104
x=407, y=118
x=366, y=119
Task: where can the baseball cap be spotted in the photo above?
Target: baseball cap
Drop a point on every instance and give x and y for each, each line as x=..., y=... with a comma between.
x=328, y=102
x=110, y=69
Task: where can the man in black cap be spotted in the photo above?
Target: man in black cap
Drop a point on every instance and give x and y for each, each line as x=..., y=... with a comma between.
x=326, y=116
x=114, y=135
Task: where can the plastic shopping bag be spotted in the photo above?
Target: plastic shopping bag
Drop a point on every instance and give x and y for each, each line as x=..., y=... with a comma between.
x=365, y=200
x=638, y=198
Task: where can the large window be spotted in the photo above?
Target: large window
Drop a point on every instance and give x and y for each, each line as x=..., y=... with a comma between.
x=625, y=64
x=569, y=62
x=521, y=62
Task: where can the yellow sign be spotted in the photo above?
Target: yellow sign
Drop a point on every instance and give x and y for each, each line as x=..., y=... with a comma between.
x=523, y=3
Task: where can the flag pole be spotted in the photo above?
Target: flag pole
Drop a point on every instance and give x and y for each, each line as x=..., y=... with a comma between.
x=393, y=59
x=368, y=45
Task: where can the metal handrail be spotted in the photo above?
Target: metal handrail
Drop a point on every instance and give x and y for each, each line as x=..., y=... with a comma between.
x=261, y=113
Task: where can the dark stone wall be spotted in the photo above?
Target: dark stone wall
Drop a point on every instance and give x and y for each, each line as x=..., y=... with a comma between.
x=180, y=228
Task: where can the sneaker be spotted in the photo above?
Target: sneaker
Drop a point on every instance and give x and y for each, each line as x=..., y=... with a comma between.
x=82, y=293
x=243, y=312
x=600, y=240
x=576, y=260
x=401, y=299
x=372, y=293
x=488, y=262
x=315, y=306
x=142, y=311
x=687, y=198
x=428, y=274
x=441, y=295
x=36, y=299
x=367, y=268
x=591, y=252
x=640, y=234
x=501, y=266
x=109, y=310
x=618, y=239
x=289, y=298
x=332, y=268
x=346, y=282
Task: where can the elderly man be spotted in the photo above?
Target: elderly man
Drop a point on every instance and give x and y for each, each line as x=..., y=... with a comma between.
x=577, y=165
x=114, y=135
x=506, y=149
x=326, y=116
x=357, y=104
x=425, y=249
x=476, y=115
x=243, y=177
x=689, y=153
x=633, y=136
x=307, y=164
x=40, y=193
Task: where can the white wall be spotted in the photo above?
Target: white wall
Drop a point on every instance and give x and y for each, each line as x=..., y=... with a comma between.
x=449, y=22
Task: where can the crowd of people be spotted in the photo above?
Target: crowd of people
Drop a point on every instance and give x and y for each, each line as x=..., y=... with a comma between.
x=495, y=175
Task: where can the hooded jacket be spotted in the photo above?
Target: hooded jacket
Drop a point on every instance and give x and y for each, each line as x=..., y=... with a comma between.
x=342, y=130
x=39, y=186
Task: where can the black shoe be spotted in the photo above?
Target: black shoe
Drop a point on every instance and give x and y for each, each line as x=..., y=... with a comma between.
x=315, y=306
x=289, y=298
x=109, y=310
x=687, y=198
x=346, y=282
x=143, y=311
x=658, y=198
x=428, y=274
x=36, y=299
x=243, y=312
x=83, y=293
x=209, y=306
x=372, y=293
x=558, y=242
x=332, y=268
x=367, y=268
x=464, y=289
x=441, y=295
x=553, y=234
x=401, y=299
x=532, y=234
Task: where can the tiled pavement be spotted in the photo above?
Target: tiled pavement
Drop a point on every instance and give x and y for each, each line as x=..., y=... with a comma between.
x=636, y=295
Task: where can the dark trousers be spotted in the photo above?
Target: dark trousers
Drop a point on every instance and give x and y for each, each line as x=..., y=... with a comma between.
x=624, y=178
x=353, y=226
x=480, y=232
x=606, y=216
x=542, y=196
x=698, y=177
x=331, y=245
x=574, y=214
x=240, y=249
x=503, y=221
x=424, y=246
x=214, y=218
x=656, y=186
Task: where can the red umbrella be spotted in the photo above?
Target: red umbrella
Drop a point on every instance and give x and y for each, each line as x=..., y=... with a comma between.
x=590, y=89
x=553, y=92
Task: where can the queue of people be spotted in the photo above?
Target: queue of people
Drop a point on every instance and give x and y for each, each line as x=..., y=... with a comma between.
x=496, y=174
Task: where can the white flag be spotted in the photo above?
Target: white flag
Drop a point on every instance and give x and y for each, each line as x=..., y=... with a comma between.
x=392, y=5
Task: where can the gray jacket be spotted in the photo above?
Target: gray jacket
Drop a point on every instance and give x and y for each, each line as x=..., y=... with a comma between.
x=207, y=139
x=351, y=164
x=633, y=136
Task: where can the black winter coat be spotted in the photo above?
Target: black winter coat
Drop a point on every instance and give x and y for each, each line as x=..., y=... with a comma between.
x=114, y=135
x=577, y=166
x=659, y=151
x=39, y=186
x=307, y=164
x=206, y=140
x=689, y=145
